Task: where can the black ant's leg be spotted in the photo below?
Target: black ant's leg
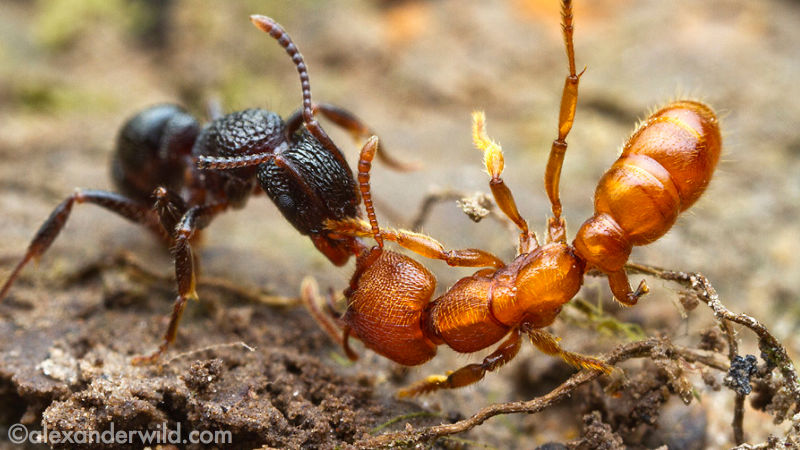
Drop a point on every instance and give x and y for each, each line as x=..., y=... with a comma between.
x=170, y=208
x=123, y=206
x=195, y=219
x=294, y=122
x=349, y=122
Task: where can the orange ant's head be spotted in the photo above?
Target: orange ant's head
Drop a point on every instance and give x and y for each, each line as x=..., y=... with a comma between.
x=385, y=311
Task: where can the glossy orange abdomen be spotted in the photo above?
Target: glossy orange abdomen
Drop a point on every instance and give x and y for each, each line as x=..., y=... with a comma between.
x=664, y=168
x=683, y=137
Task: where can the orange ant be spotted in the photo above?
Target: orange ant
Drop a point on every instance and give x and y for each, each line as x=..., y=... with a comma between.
x=664, y=168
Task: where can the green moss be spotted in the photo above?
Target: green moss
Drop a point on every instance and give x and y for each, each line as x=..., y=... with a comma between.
x=605, y=323
x=41, y=95
x=59, y=23
x=341, y=360
x=397, y=419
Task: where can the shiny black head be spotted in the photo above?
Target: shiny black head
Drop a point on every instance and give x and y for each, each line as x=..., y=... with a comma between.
x=310, y=185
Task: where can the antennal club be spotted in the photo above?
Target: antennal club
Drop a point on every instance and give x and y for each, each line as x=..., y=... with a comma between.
x=269, y=26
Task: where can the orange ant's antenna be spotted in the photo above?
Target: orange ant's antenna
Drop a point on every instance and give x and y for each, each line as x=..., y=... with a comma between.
x=364, y=166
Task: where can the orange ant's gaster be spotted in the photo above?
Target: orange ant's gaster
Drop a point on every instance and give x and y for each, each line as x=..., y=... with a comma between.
x=664, y=168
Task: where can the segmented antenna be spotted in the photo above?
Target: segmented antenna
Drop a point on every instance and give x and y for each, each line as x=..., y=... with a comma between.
x=269, y=26
x=364, y=166
x=232, y=162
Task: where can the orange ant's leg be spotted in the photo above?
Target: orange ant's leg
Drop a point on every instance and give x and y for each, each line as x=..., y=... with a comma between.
x=351, y=355
x=566, y=117
x=431, y=248
x=50, y=229
x=494, y=162
x=195, y=218
x=420, y=244
x=309, y=292
x=357, y=128
x=621, y=288
x=468, y=374
x=548, y=344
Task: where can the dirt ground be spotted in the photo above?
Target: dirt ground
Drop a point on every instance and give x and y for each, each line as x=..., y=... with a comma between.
x=72, y=71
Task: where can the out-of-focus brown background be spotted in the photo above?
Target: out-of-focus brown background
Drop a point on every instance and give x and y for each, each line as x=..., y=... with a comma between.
x=72, y=71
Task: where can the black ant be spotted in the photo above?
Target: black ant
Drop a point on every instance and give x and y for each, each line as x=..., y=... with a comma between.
x=164, y=153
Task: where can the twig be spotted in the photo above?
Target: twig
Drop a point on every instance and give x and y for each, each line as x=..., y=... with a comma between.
x=770, y=347
x=431, y=199
x=126, y=261
x=476, y=206
x=627, y=351
x=210, y=347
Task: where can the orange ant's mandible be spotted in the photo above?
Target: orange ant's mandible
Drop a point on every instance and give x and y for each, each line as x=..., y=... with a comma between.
x=664, y=168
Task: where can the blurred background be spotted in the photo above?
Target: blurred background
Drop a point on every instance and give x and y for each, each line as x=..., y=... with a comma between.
x=72, y=71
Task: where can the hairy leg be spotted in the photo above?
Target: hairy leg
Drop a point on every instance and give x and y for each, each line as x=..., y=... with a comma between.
x=468, y=374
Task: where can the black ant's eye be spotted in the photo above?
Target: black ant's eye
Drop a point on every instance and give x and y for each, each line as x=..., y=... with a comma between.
x=284, y=202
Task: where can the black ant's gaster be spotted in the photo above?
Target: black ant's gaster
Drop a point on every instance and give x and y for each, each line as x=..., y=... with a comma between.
x=163, y=152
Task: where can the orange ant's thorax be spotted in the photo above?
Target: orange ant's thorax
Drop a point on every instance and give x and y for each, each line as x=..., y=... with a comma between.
x=545, y=279
x=480, y=310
